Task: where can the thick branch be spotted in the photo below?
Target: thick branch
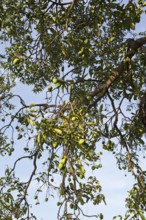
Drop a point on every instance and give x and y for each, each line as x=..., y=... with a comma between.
x=133, y=48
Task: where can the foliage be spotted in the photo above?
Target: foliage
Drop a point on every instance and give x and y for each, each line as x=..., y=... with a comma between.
x=91, y=64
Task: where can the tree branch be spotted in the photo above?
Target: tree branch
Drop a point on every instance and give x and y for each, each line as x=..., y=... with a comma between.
x=59, y=3
x=133, y=48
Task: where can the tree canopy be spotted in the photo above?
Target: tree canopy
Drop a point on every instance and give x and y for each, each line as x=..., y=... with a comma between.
x=90, y=63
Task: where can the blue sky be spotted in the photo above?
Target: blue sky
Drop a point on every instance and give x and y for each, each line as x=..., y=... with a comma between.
x=115, y=186
x=114, y=182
